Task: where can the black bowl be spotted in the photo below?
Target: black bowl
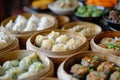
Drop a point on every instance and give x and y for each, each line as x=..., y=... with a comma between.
x=89, y=19
x=110, y=23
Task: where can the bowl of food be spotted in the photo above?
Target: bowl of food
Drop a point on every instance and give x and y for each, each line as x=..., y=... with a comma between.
x=107, y=42
x=89, y=30
x=63, y=7
x=89, y=13
x=57, y=44
x=90, y=66
x=112, y=18
x=25, y=65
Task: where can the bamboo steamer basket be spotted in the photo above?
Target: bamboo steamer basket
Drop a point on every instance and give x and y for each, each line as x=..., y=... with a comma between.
x=20, y=54
x=62, y=20
x=24, y=35
x=63, y=70
x=94, y=42
x=97, y=29
x=57, y=57
x=12, y=44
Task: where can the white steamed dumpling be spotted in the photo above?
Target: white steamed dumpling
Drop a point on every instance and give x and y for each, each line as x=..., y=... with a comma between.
x=53, y=35
x=39, y=39
x=9, y=25
x=62, y=39
x=58, y=48
x=47, y=44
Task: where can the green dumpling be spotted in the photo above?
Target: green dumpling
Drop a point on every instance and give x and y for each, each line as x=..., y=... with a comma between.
x=10, y=64
x=2, y=71
x=14, y=72
x=27, y=61
x=37, y=67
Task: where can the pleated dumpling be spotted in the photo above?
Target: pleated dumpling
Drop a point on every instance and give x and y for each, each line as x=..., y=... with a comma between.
x=39, y=39
x=36, y=67
x=58, y=48
x=2, y=71
x=47, y=44
x=10, y=64
x=9, y=25
x=12, y=73
x=24, y=75
x=53, y=35
x=71, y=44
x=27, y=61
x=19, y=18
x=32, y=23
x=44, y=23
x=62, y=39
x=20, y=23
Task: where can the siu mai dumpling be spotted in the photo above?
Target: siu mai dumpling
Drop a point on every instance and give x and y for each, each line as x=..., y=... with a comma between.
x=39, y=39
x=47, y=44
x=53, y=35
x=58, y=48
x=9, y=25
x=71, y=44
x=62, y=39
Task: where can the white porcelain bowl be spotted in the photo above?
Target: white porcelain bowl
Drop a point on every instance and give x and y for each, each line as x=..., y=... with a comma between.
x=61, y=11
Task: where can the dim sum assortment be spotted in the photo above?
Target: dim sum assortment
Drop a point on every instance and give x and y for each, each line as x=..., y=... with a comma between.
x=92, y=68
x=21, y=69
x=21, y=23
x=56, y=42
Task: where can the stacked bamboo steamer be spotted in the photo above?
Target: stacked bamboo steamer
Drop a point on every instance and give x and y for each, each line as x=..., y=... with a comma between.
x=20, y=54
x=24, y=35
x=63, y=72
x=12, y=45
x=57, y=57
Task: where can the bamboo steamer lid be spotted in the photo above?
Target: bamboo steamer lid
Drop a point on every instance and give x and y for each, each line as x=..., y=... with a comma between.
x=19, y=54
x=94, y=42
x=97, y=29
x=63, y=70
x=57, y=57
x=24, y=35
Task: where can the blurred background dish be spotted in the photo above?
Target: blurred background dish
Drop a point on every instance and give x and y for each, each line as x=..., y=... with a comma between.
x=63, y=7
x=112, y=18
x=89, y=13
